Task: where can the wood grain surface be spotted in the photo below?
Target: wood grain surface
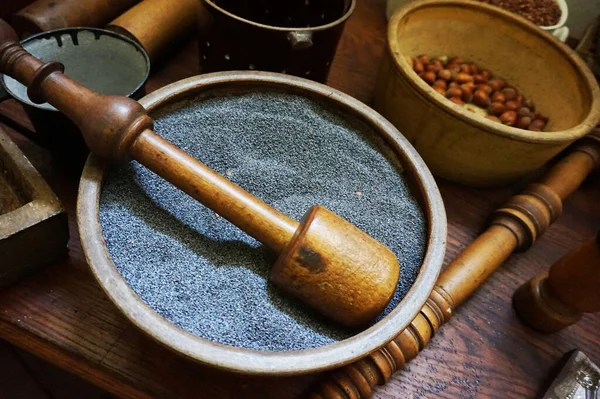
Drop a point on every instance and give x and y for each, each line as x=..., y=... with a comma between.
x=62, y=315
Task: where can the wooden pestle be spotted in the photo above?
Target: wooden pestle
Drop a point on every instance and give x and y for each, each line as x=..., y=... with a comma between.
x=514, y=227
x=324, y=260
x=552, y=301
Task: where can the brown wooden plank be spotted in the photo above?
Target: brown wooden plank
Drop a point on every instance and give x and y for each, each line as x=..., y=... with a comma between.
x=63, y=316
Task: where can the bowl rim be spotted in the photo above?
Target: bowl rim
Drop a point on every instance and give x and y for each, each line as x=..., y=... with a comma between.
x=405, y=69
x=252, y=361
x=351, y=4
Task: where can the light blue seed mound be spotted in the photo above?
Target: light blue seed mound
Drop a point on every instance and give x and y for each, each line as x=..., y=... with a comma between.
x=208, y=277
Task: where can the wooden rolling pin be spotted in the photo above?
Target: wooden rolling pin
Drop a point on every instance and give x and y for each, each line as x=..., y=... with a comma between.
x=156, y=24
x=324, y=260
x=45, y=15
x=514, y=227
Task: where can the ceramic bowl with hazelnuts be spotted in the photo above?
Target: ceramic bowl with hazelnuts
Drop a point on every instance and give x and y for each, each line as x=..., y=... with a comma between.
x=484, y=97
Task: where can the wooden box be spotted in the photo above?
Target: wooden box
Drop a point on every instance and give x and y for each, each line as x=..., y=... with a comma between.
x=33, y=222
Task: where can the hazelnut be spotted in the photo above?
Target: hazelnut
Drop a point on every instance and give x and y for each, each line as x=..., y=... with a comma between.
x=496, y=108
x=498, y=97
x=493, y=118
x=529, y=104
x=434, y=66
x=509, y=93
x=453, y=85
x=523, y=122
x=537, y=125
x=457, y=100
x=524, y=111
x=512, y=105
x=508, y=118
x=486, y=74
x=455, y=60
x=440, y=83
x=479, y=78
x=463, y=77
x=474, y=70
x=445, y=74
x=541, y=117
x=440, y=90
x=467, y=92
x=418, y=67
x=496, y=84
x=481, y=98
x=485, y=87
x=464, y=68
x=453, y=92
x=423, y=58
x=428, y=77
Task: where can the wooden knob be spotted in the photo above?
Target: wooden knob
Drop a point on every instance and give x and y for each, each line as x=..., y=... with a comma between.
x=553, y=301
x=325, y=261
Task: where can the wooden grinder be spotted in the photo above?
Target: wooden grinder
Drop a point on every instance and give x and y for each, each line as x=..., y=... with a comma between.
x=552, y=301
x=324, y=260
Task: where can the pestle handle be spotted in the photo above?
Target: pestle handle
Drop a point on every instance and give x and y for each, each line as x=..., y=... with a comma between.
x=118, y=128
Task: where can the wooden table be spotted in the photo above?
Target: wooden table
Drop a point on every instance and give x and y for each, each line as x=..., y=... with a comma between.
x=62, y=314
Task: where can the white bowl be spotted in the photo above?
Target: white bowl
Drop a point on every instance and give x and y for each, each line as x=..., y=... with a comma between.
x=560, y=31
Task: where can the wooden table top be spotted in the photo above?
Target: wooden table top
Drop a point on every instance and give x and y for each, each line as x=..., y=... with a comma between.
x=62, y=314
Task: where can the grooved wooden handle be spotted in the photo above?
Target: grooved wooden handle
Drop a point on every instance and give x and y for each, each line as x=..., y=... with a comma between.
x=117, y=127
x=515, y=226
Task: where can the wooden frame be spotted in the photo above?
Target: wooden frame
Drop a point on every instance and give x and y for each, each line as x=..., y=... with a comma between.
x=33, y=222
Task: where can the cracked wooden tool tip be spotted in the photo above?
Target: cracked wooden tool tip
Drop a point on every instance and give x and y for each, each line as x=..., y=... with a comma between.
x=324, y=260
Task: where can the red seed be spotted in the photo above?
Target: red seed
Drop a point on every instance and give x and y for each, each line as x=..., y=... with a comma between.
x=457, y=100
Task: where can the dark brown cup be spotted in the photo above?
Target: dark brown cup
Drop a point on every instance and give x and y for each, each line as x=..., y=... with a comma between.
x=296, y=37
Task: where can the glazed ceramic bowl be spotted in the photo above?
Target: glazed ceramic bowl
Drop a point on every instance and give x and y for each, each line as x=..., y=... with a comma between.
x=460, y=145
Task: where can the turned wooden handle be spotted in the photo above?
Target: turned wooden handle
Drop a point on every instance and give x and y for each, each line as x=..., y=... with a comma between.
x=514, y=227
x=116, y=127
